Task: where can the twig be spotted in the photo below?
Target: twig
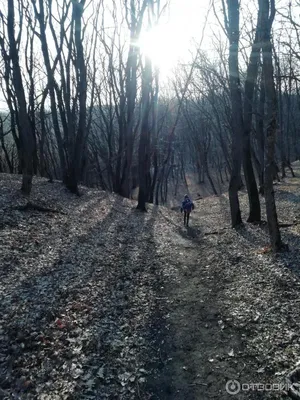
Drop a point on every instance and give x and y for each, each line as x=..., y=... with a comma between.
x=138, y=389
x=215, y=232
x=198, y=383
x=160, y=356
x=288, y=225
x=239, y=374
x=36, y=207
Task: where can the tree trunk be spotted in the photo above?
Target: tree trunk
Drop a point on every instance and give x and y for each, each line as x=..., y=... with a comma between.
x=26, y=133
x=252, y=71
x=282, y=149
x=40, y=15
x=8, y=161
x=271, y=103
x=261, y=135
x=154, y=177
x=131, y=89
x=75, y=166
x=144, y=145
x=135, y=25
x=237, y=112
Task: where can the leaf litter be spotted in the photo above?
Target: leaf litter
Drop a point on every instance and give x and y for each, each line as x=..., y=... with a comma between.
x=101, y=300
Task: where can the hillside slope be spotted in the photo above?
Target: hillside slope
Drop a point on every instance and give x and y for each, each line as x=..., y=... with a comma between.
x=98, y=300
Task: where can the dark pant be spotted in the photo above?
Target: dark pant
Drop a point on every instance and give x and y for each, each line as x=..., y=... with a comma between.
x=186, y=218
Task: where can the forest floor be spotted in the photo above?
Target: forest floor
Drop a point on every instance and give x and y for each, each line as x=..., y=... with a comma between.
x=100, y=301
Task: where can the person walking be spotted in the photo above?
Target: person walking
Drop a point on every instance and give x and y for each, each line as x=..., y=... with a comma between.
x=186, y=207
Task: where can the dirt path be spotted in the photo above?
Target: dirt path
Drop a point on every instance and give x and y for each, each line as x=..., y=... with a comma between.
x=232, y=311
x=196, y=348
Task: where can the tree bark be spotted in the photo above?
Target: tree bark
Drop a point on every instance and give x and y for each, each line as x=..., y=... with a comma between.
x=40, y=15
x=252, y=72
x=268, y=14
x=237, y=112
x=144, y=145
x=261, y=135
x=26, y=132
x=75, y=164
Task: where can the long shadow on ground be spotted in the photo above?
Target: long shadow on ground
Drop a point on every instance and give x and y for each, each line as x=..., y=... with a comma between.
x=82, y=327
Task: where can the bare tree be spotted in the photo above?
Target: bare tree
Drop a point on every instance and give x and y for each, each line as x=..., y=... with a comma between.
x=136, y=11
x=251, y=78
x=11, y=57
x=268, y=14
x=68, y=99
x=144, y=145
x=233, y=31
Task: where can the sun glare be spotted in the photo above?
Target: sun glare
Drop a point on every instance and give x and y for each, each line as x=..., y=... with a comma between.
x=163, y=46
x=169, y=42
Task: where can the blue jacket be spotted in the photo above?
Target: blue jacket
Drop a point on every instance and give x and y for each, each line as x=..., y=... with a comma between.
x=187, y=205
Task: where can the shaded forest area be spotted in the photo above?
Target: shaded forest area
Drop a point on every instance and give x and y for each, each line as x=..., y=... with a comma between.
x=101, y=301
x=85, y=105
